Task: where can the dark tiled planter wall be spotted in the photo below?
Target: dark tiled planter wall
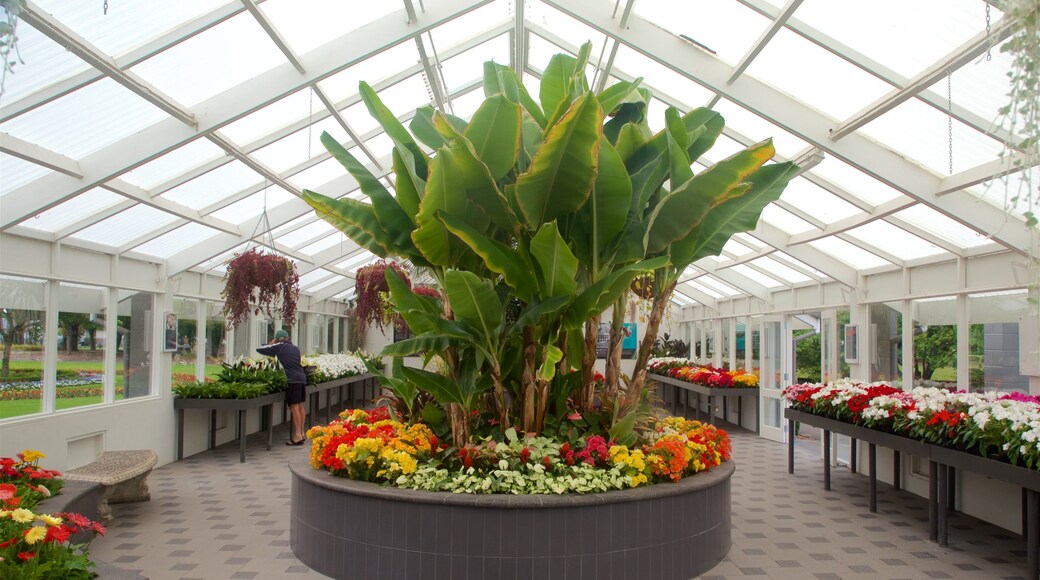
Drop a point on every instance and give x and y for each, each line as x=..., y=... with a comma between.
x=355, y=530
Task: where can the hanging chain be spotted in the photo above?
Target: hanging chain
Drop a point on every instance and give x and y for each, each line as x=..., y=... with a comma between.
x=949, y=114
x=989, y=42
x=104, y=8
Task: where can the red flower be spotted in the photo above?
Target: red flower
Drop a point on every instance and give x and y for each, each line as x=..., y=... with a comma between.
x=525, y=454
x=13, y=501
x=98, y=528
x=575, y=416
x=433, y=443
x=26, y=556
x=7, y=490
x=57, y=534
x=10, y=542
x=546, y=462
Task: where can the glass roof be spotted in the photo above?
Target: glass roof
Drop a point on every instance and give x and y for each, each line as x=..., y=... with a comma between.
x=203, y=56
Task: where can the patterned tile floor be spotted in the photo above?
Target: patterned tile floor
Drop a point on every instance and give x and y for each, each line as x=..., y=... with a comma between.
x=213, y=518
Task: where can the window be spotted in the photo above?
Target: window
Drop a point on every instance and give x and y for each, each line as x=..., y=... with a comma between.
x=134, y=354
x=997, y=340
x=82, y=339
x=22, y=314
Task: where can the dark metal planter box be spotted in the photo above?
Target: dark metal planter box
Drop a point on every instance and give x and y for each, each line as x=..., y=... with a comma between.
x=713, y=394
x=350, y=529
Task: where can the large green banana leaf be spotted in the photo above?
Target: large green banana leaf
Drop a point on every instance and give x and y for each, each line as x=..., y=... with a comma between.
x=474, y=301
x=494, y=132
x=355, y=219
x=500, y=79
x=556, y=263
x=563, y=170
x=498, y=257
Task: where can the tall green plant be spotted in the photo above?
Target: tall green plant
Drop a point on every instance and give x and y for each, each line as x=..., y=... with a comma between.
x=534, y=217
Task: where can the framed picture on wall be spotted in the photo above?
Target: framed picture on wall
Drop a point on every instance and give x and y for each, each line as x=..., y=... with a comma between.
x=170, y=332
x=852, y=343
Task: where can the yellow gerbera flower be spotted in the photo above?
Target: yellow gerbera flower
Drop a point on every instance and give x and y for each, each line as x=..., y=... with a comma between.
x=31, y=455
x=35, y=534
x=22, y=516
x=49, y=520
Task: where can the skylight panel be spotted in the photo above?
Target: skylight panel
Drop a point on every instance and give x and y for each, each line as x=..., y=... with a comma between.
x=724, y=27
x=736, y=248
x=942, y=226
x=749, y=240
x=780, y=271
x=1003, y=191
x=272, y=117
x=325, y=284
x=467, y=67
x=856, y=182
x=981, y=86
x=253, y=205
x=15, y=172
x=758, y=129
x=465, y=105
x=213, y=186
x=719, y=285
x=325, y=243
x=921, y=133
x=683, y=292
x=818, y=202
x=380, y=145
x=127, y=25
x=785, y=220
x=359, y=119
x=704, y=289
x=848, y=253
x=126, y=226
x=681, y=299
x=213, y=61
x=308, y=24
x=85, y=120
x=298, y=147
x=784, y=257
x=661, y=79
x=353, y=262
x=565, y=26
x=173, y=164
x=466, y=26
x=895, y=240
x=219, y=262
x=816, y=77
x=316, y=177
x=313, y=276
x=45, y=63
x=756, y=276
x=73, y=210
x=539, y=51
x=372, y=70
x=173, y=242
x=915, y=34
x=304, y=233
x=723, y=148
x=406, y=96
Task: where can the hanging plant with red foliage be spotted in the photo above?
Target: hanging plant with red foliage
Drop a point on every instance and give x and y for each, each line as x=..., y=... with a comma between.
x=260, y=283
x=371, y=302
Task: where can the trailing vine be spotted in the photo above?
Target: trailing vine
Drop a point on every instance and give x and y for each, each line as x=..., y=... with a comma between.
x=260, y=283
x=9, y=12
x=372, y=303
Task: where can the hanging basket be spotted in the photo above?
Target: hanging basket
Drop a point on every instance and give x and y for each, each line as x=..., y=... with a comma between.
x=643, y=286
x=260, y=283
x=371, y=291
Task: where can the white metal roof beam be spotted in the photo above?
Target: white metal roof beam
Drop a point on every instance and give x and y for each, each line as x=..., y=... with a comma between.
x=35, y=154
x=778, y=22
x=796, y=117
x=271, y=31
x=331, y=108
x=900, y=262
x=79, y=46
x=956, y=59
x=226, y=107
x=65, y=86
x=696, y=295
x=736, y=279
x=878, y=70
x=519, y=56
x=997, y=168
x=841, y=226
x=821, y=261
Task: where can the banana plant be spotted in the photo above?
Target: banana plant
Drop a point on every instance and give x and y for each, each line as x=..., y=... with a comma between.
x=534, y=217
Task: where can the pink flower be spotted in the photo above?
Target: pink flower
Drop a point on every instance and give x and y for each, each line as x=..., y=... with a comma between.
x=575, y=416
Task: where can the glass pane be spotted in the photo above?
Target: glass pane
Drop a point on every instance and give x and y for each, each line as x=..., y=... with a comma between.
x=171, y=243
x=996, y=340
x=467, y=67
x=844, y=317
x=941, y=226
x=308, y=24
x=134, y=360
x=723, y=27
x=73, y=210
x=173, y=164
x=935, y=342
x=300, y=146
x=216, y=345
x=22, y=314
x=771, y=416
x=785, y=220
x=756, y=349
x=852, y=255
x=894, y=240
x=757, y=276
x=818, y=202
x=981, y=86
x=783, y=272
x=371, y=70
x=126, y=226
x=466, y=26
x=183, y=367
x=757, y=129
x=660, y=79
x=253, y=205
x=15, y=172
x=886, y=349
x=80, y=375
x=855, y=181
x=741, y=347
x=213, y=186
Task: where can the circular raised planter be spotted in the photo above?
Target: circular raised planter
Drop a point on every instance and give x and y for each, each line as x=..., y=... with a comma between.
x=357, y=530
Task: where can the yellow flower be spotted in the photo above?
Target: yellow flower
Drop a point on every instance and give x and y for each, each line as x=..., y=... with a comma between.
x=22, y=516
x=35, y=534
x=30, y=455
x=49, y=520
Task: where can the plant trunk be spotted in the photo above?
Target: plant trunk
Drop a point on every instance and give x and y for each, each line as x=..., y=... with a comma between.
x=588, y=362
x=6, y=368
x=543, y=401
x=638, y=383
x=500, y=396
x=563, y=366
x=617, y=336
x=459, y=424
x=528, y=383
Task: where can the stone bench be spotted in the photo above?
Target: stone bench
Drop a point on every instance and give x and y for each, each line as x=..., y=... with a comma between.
x=123, y=476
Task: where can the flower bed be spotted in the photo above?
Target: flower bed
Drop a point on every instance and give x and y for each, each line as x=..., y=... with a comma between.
x=705, y=375
x=331, y=367
x=65, y=390
x=371, y=446
x=1002, y=426
x=245, y=378
x=38, y=545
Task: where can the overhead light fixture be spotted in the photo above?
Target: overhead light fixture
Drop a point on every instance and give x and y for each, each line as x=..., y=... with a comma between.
x=809, y=159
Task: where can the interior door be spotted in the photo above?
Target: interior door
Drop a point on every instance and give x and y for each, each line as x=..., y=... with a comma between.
x=775, y=375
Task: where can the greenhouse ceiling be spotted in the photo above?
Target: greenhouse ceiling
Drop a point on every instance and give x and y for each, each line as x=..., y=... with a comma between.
x=161, y=131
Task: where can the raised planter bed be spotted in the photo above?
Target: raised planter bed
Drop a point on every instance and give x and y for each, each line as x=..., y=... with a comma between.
x=358, y=530
x=712, y=393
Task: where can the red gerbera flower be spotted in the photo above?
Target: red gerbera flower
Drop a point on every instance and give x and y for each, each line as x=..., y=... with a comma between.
x=26, y=556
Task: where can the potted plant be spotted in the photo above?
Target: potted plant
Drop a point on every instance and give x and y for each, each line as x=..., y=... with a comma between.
x=260, y=282
x=371, y=301
x=533, y=218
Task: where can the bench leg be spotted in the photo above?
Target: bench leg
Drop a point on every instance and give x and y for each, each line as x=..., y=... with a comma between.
x=944, y=490
x=896, y=469
x=1033, y=517
x=872, y=485
x=242, y=436
x=853, y=453
x=790, y=445
x=826, y=460
x=270, y=424
x=933, y=501
x=212, y=429
x=740, y=411
x=180, y=434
